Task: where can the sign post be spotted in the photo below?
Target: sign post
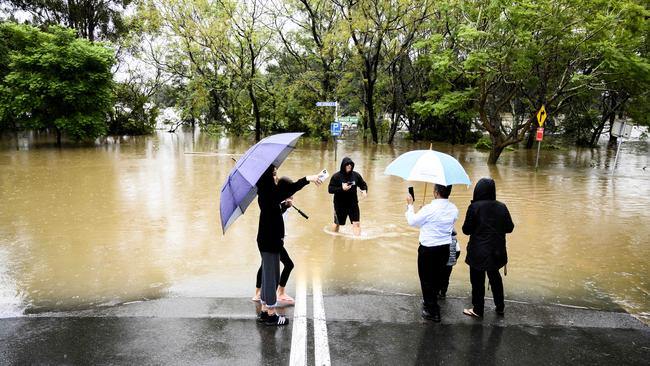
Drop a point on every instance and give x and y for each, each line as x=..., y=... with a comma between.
x=620, y=130
x=541, y=117
x=335, y=131
x=336, y=122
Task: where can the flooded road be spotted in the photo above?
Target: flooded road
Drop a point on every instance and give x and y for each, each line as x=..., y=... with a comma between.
x=138, y=219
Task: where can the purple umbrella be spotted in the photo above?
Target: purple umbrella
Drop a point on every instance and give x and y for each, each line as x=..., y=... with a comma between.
x=239, y=190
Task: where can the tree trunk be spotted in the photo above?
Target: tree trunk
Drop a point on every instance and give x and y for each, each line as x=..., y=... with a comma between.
x=497, y=148
x=612, y=139
x=58, y=137
x=393, y=128
x=608, y=113
x=251, y=92
x=593, y=141
x=495, y=152
x=454, y=130
x=370, y=110
x=530, y=141
x=256, y=112
x=15, y=129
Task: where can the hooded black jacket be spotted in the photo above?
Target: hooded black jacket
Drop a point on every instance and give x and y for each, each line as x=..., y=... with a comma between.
x=346, y=198
x=487, y=221
x=270, y=230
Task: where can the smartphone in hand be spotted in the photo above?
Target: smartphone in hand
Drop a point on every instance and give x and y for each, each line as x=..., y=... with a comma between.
x=323, y=175
x=412, y=193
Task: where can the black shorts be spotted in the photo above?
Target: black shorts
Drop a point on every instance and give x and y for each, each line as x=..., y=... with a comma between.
x=341, y=213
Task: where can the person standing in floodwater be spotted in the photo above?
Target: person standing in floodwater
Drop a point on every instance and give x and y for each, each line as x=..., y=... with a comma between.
x=270, y=238
x=343, y=185
x=487, y=221
x=436, y=222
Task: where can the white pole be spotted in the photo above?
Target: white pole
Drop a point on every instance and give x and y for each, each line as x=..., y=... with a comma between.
x=336, y=119
x=616, y=158
x=618, y=148
x=539, y=145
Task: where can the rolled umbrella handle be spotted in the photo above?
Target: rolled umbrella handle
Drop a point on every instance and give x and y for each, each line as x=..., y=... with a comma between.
x=300, y=212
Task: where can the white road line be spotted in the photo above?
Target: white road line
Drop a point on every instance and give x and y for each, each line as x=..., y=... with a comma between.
x=321, y=345
x=298, y=355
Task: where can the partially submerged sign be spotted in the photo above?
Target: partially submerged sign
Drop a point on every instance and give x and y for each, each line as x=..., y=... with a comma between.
x=540, y=134
x=621, y=129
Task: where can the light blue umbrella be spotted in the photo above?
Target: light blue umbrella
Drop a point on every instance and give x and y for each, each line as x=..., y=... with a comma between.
x=428, y=166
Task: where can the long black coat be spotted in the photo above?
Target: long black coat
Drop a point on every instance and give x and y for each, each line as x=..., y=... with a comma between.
x=487, y=221
x=270, y=231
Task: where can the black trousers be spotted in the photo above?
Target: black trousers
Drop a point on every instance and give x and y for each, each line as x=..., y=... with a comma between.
x=432, y=268
x=286, y=271
x=477, y=278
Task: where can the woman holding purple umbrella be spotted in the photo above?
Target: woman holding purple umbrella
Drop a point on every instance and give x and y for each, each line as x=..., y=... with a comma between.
x=270, y=238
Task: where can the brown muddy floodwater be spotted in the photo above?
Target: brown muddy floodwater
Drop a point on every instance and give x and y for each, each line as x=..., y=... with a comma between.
x=138, y=219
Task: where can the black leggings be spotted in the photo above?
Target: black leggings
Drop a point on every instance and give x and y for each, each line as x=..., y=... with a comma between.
x=286, y=271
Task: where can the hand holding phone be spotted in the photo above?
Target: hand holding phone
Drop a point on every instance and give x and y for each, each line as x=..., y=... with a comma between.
x=323, y=175
x=412, y=193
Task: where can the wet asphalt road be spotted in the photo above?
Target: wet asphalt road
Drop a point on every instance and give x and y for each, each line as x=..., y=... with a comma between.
x=361, y=330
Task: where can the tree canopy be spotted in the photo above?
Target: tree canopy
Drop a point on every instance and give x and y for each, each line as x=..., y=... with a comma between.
x=446, y=70
x=54, y=80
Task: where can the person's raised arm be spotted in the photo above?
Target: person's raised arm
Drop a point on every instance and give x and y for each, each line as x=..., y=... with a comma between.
x=298, y=185
x=414, y=218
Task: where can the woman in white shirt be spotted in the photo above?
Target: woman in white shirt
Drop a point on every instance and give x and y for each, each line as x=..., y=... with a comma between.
x=436, y=222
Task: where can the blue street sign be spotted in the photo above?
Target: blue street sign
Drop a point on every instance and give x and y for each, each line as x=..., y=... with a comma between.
x=325, y=104
x=335, y=129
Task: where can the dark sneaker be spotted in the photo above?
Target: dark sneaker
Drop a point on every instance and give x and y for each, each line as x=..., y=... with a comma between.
x=262, y=317
x=431, y=316
x=442, y=295
x=276, y=320
x=500, y=312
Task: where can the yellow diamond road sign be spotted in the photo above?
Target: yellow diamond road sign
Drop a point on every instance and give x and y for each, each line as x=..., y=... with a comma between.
x=541, y=116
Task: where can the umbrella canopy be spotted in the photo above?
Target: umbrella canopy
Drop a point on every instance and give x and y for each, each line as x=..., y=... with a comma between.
x=239, y=190
x=428, y=166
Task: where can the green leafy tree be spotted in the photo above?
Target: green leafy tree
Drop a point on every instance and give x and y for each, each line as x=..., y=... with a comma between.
x=381, y=31
x=315, y=50
x=494, y=56
x=93, y=19
x=620, y=85
x=57, y=81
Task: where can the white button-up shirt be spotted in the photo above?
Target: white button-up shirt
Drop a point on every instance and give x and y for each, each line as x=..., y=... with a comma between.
x=435, y=220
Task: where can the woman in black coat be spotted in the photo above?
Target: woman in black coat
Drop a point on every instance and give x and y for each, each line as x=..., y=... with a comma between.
x=270, y=237
x=487, y=221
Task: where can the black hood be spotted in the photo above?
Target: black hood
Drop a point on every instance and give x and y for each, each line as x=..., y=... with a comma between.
x=267, y=176
x=485, y=190
x=345, y=162
x=284, y=185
